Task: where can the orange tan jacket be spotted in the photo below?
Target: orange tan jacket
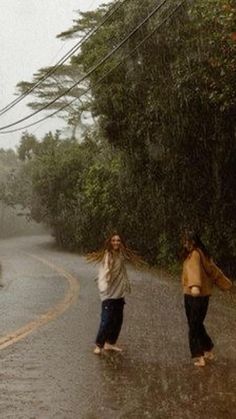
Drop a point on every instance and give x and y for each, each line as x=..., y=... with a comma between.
x=199, y=271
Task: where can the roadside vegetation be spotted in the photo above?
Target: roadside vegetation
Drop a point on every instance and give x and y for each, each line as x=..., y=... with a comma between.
x=161, y=152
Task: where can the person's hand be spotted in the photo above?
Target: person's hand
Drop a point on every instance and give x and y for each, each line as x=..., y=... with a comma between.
x=233, y=289
x=195, y=291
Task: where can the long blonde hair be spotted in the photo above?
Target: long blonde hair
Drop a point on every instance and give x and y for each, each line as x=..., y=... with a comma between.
x=130, y=256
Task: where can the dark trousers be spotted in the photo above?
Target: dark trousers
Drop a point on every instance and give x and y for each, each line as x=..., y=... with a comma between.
x=196, y=310
x=111, y=321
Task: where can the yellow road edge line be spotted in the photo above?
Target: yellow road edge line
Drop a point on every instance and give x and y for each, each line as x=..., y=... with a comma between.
x=53, y=313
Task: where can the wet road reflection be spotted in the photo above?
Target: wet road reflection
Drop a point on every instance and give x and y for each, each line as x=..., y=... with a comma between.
x=54, y=374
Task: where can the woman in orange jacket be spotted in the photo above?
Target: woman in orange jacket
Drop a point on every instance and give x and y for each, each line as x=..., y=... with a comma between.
x=198, y=278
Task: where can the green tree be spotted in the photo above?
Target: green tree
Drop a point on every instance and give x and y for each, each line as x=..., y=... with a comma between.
x=162, y=153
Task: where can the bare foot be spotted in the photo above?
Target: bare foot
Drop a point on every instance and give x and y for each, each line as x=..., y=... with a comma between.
x=97, y=350
x=200, y=362
x=209, y=355
x=109, y=347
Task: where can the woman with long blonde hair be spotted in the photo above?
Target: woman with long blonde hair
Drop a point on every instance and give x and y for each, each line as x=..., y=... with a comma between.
x=113, y=285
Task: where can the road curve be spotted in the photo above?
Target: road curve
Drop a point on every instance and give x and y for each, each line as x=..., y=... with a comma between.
x=55, y=311
x=52, y=373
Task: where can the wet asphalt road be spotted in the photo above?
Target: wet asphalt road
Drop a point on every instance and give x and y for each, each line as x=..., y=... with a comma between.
x=52, y=373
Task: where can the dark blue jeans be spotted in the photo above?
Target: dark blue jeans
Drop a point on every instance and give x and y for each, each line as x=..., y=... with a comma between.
x=111, y=321
x=196, y=310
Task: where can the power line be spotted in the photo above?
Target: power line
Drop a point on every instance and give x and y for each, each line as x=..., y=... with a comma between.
x=68, y=55
x=93, y=69
x=101, y=79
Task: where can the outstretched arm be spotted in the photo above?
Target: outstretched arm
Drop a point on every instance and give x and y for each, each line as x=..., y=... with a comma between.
x=219, y=278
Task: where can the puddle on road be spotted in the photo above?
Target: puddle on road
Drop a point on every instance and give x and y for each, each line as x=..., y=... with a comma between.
x=133, y=389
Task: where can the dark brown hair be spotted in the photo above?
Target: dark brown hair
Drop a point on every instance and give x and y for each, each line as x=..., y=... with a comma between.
x=192, y=236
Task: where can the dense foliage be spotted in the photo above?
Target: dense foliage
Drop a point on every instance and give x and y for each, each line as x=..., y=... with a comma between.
x=13, y=220
x=162, y=154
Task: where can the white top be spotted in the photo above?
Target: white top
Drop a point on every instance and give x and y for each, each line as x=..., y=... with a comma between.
x=113, y=282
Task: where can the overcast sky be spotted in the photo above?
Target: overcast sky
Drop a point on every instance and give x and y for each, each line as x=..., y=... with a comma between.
x=28, y=30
